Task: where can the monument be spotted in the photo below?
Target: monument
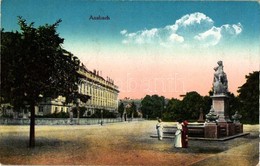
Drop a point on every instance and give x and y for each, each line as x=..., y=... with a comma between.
x=220, y=98
x=218, y=123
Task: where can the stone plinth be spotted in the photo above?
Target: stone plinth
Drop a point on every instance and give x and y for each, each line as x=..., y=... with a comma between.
x=226, y=129
x=221, y=106
x=238, y=128
x=231, y=129
x=211, y=130
x=222, y=129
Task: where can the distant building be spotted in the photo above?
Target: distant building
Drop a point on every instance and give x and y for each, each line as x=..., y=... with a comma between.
x=50, y=106
x=128, y=102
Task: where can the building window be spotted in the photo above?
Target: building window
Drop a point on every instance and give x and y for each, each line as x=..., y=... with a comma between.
x=40, y=109
x=56, y=110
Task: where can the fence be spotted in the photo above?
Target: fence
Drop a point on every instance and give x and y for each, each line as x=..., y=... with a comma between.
x=64, y=121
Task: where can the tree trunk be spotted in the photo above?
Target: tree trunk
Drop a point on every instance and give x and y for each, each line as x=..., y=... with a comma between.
x=32, y=126
x=78, y=115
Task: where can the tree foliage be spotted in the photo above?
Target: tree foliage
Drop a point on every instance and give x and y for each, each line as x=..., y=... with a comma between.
x=34, y=65
x=153, y=106
x=132, y=110
x=234, y=104
x=192, y=103
x=173, y=110
x=121, y=109
x=249, y=98
x=187, y=108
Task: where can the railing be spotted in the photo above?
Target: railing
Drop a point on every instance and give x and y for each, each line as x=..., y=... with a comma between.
x=64, y=121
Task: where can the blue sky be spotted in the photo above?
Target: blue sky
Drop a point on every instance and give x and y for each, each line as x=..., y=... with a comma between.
x=170, y=36
x=130, y=15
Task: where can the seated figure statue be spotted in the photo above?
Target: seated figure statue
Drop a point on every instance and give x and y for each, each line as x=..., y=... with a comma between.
x=220, y=85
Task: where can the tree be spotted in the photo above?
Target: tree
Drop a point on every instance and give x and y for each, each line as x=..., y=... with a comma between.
x=34, y=65
x=173, y=110
x=234, y=104
x=249, y=98
x=121, y=109
x=188, y=108
x=152, y=106
x=207, y=104
x=192, y=103
x=132, y=110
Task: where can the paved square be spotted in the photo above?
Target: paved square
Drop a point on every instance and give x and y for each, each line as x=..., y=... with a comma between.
x=120, y=144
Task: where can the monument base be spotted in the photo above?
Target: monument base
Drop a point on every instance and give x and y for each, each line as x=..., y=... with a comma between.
x=220, y=105
x=238, y=127
x=211, y=130
x=231, y=129
x=222, y=129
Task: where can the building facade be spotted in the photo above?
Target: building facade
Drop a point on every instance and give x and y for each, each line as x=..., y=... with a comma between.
x=103, y=95
x=50, y=106
x=103, y=92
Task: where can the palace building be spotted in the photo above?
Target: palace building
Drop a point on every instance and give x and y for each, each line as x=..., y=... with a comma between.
x=103, y=95
x=103, y=92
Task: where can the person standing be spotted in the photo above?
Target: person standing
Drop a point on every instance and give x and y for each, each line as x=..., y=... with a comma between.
x=159, y=128
x=184, y=134
x=177, y=139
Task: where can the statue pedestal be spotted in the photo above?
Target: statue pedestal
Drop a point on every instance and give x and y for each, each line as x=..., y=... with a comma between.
x=231, y=129
x=211, y=130
x=221, y=106
x=238, y=128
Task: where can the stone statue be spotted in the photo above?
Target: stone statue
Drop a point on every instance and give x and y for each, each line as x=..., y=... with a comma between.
x=211, y=116
x=220, y=82
x=201, y=118
x=236, y=117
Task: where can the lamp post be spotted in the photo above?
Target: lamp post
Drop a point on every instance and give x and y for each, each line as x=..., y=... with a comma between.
x=77, y=107
x=79, y=89
x=101, y=117
x=71, y=115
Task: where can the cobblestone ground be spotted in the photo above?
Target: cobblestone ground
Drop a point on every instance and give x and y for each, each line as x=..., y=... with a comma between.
x=120, y=144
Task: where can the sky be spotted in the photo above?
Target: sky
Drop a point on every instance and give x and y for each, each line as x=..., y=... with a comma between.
x=167, y=48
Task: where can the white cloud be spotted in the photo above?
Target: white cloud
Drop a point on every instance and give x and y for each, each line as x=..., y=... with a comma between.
x=210, y=37
x=176, y=38
x=238, y=28
x=213, y=36
x=123, y=32
x=194, y=18
x=234, y=29
x=191, y=29
x=140, y=37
